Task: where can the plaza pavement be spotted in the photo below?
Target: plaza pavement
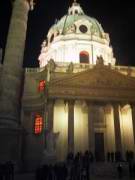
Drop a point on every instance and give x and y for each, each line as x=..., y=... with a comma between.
x=98, y=171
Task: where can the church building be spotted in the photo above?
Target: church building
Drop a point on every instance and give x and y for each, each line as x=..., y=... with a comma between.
x=77, y=93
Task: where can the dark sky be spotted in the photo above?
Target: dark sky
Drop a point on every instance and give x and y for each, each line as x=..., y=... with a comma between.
x=117, y=18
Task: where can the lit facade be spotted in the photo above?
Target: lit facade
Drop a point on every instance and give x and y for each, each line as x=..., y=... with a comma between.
x=78, y=92
x=86, y=99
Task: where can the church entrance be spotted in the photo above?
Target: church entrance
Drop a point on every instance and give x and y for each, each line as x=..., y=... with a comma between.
x=99, y=147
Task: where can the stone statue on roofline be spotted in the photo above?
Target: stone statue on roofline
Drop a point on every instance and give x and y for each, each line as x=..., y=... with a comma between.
x=100, y=60
x=70, y=68
x=51, y=65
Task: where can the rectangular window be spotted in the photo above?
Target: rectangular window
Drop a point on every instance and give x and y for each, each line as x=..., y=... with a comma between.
x=41, y=86
x=38, y=124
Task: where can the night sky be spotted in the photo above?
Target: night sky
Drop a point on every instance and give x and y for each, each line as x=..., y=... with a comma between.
x=117, y=18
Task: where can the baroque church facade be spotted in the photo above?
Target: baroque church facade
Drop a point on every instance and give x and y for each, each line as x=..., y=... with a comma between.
x=77, y=92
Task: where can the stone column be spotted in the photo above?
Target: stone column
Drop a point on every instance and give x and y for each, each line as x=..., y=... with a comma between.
x=71, y=126
x=12, y=74
x=118, y=142
x=50, y=114
x=133, y=119
x=12, y=84
x=91, y=135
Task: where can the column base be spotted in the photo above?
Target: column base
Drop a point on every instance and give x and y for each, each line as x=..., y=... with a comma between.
x=11, y=145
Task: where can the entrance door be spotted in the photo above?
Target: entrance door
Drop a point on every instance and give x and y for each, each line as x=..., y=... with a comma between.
x=99, y=147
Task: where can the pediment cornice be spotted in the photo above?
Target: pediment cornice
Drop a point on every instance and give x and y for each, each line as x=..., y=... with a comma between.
x=98, y=77
x=100, y=83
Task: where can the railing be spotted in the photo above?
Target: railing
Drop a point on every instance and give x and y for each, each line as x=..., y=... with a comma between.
x=34, y=70
x=79, y=67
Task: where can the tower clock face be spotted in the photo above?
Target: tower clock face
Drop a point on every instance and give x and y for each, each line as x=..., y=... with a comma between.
x=83, y=28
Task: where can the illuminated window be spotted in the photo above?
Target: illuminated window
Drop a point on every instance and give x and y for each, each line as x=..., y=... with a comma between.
x=38, y=124
x=84, y=57
x=41, y=85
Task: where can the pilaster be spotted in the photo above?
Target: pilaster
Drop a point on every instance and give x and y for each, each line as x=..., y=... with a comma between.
x=118, y=142
x=91, y=135
x=133, y=120
x=50, y=114
x=71, y=126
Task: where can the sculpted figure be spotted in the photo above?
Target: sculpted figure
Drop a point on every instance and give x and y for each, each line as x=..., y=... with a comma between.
x=52, y=65
x=51, y=142
x=49, y=153
x=100, y=60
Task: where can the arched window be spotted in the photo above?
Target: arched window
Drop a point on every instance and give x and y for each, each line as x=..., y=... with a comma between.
x=84, y=57
x=71, y=13
x=38, y=125
x=76, y=12
x=52, y=38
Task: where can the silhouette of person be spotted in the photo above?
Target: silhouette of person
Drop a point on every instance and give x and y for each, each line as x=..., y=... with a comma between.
x=108, y=156
x=120, y=170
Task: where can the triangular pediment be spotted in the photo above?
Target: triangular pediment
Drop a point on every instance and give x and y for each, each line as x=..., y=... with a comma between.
x=98, y=77
x=100, y=83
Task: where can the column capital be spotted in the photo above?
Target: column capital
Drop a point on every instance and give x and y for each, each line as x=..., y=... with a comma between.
x=122, y=104
x=89, y=103
x=132, y=105
x=115, y=104
x=71, y=102
x=108, y=108
x=51, y=101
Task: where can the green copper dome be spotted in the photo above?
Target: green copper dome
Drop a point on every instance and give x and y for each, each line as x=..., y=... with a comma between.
x=76, y=14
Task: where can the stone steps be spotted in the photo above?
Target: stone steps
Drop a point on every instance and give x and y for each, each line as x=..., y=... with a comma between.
x=107, y=169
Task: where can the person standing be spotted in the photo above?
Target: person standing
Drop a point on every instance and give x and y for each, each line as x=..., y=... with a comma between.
x=120, y=171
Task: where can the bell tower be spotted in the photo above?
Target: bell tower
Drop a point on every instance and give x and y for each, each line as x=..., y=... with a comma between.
x=12, y=83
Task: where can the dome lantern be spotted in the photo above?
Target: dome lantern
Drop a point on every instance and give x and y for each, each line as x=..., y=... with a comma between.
x=75, y=9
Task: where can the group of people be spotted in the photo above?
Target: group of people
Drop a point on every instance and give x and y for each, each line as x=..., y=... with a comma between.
x=131, y=168
x=77, y=167
x=114, y=156
x=74, y=168
x=7, y=171
x=117, y=156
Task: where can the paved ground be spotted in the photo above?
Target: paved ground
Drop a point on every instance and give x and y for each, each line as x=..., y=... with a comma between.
x=26, y=176
x=98, y=171
x=31, y=176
